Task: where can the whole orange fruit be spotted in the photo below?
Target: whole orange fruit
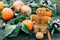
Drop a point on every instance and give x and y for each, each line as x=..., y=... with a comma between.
x=48, y=13
x=28, y=23
x=7, y=14
x=1, y=5
x=17, y=4
x=25, y=9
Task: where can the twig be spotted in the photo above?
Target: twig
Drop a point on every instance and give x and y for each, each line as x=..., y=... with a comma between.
x=49, y=36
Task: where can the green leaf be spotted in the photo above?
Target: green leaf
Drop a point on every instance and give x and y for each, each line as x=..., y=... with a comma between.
x=25, y=29
x=58, y=29
x=17, y=19
x=33, y=6
x=49, y=26
x=16, y=31
x=37, y=1
x=29, y=14
x=52, y=31
x=9, y=29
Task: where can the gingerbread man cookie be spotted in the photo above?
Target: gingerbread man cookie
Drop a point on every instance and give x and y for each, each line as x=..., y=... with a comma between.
x=40, y=21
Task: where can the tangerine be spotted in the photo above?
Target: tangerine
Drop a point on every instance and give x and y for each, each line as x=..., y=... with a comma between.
x=25, y=9
x=1, y=5
x=28, y=23
x=17, y=4
x=7, y=13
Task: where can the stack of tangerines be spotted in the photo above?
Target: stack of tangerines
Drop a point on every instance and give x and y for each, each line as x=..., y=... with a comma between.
x=8, y=13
